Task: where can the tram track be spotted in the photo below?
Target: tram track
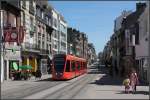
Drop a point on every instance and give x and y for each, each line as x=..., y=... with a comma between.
x=49, y=89
x=27, y=90
x=57, y=94
x=56, y=88
x=71, y=90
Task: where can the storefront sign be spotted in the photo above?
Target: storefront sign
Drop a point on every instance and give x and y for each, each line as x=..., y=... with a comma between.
x=12, y=55
x=14, y=34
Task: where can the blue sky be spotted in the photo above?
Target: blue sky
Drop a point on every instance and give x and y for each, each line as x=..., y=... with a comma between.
x=95, y=18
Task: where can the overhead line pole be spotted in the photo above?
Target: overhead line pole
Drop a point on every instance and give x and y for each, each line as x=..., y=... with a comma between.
x=1, y=44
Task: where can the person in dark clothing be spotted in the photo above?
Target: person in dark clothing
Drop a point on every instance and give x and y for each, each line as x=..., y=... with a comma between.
x=38, y=74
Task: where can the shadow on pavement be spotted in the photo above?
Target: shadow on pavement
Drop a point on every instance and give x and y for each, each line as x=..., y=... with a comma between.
x=137, y=92
x=49, y=79
x=107, y=80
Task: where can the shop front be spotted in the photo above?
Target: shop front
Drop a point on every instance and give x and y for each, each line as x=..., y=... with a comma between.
x=12, y=54
x=30, y=58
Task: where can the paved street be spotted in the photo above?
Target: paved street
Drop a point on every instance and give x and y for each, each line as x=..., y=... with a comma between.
x=94, y=85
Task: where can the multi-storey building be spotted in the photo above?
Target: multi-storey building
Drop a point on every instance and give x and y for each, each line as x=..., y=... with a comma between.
x=130, y=34
x=84, y=43
x=11, y=13
x=41, y=33
x=91, y=54
x=55, y=34
x=77, y=43
x=62, y=35
x=44, y=34
x=29, y=46
x=115, y=38
x=141, y=49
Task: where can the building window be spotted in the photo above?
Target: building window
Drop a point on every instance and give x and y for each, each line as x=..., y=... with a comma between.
x=39, y=43
x=24, y=3
x=12, y=20
x=47, y=47
x=42, y=45
x=5, y=19
x=137, y=34
x=38, y=12
x=49, y=20
x=39, y=36
x=50, y=48
x=55, y=22
x=42, y=14
x=31, y=22
x=23, y=19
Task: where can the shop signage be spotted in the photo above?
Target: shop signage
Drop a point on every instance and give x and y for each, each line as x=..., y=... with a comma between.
x=9, y=55
x=14, y=34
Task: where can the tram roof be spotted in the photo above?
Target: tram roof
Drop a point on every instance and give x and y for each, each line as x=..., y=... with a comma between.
x=69, y=56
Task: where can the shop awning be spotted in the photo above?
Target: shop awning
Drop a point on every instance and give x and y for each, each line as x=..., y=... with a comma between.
x=25, y=67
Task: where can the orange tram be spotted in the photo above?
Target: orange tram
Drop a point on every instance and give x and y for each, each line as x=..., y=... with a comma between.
x=67, y=67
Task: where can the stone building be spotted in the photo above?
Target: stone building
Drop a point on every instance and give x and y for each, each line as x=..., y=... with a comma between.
x=44, y=34
x=77, y=43
x=62, y=35
x=141, y=49
x=91, y=54
x=29, y=51
x=12, y=36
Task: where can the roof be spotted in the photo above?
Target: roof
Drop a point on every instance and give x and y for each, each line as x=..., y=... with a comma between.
x=133, y=17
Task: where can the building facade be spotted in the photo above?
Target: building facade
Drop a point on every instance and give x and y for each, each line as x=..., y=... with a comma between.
x=29, y=52
x=11, y=14
x=62, y=35
x=115, y=38
x=140, y=56
x=77, y=43
x=55, y=34
x=44, y=20
x=91, y=54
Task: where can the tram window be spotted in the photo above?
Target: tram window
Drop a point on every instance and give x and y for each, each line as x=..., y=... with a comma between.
x=68, y=66
x=73, y=65
x=84, y=65
x=78, y=65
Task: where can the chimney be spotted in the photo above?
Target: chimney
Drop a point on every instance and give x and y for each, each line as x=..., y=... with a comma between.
x=140, y=6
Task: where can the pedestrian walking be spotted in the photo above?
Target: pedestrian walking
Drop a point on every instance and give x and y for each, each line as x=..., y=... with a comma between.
x=133, y=80
x=126, y=83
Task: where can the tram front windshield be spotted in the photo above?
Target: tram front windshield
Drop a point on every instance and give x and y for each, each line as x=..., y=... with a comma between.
x=59, y=64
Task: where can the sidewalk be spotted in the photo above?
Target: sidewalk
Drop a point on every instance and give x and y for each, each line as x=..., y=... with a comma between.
x=10, y=84
x=107, y=87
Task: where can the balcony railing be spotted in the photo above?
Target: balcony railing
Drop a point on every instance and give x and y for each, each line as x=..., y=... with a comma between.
x=30, y=47
x=44, y=51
